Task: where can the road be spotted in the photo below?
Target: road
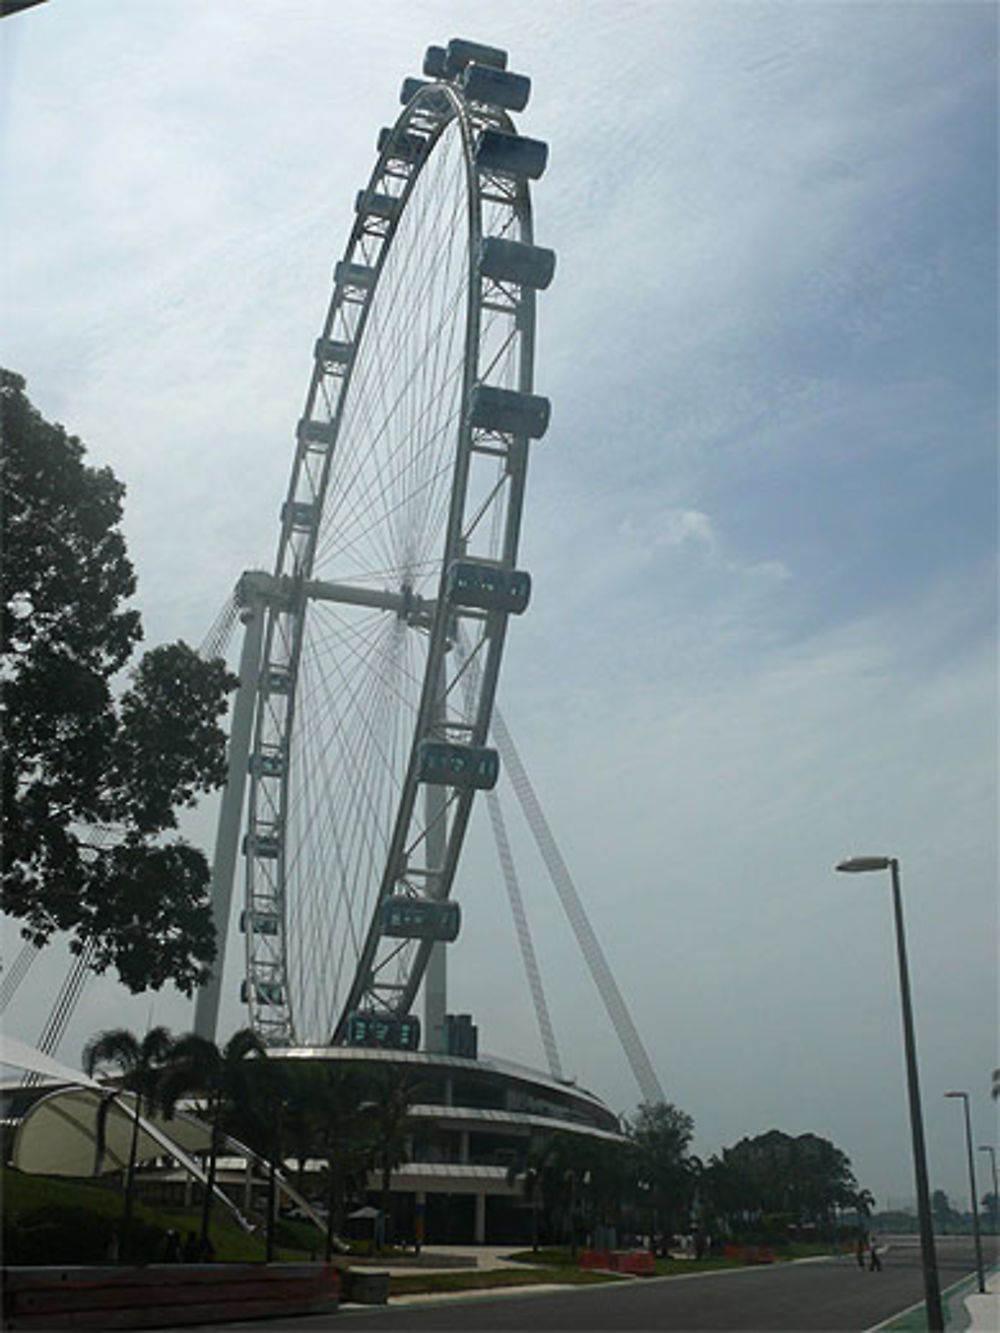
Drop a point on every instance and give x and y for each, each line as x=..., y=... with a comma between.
x=823, y=1294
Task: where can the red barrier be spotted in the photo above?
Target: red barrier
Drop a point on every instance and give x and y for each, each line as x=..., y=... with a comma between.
x=164, y=1295
x=638, y=1262
x=750, y=1254
x=595, y=1259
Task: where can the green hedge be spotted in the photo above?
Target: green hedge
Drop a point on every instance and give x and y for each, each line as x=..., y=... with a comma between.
x=61, y=1234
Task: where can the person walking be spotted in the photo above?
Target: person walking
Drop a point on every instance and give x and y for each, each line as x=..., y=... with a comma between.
x=860, y=1250
x=874, y=1262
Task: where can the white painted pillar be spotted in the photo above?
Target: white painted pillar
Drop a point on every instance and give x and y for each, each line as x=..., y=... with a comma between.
x=436, y=846
x=206, y=1010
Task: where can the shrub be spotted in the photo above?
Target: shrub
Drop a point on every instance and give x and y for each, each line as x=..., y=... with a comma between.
x=61, y=1234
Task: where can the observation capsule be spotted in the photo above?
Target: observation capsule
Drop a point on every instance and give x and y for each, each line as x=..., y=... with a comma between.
x=259, y=923
x=300, y=515
x=365, y=1028
x=353, y=275
x=331, y=352
x=263, y=845
x=314, y=432
x=461, y=53
x=402, y=144
x=421, y=919
x=496, y=87
x=511, y=155
x=470, y=767
x=513, y=261
x=264, y=992
x=488, y=587
x=384, y=206
x=507, y=412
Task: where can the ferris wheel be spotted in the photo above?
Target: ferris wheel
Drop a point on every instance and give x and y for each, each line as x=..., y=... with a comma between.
x=382, y=627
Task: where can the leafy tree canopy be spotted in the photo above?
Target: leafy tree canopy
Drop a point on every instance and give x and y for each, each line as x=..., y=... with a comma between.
x=804, y=1177
x=92, y=777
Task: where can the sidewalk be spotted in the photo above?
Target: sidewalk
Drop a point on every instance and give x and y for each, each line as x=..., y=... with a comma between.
x=984, y=1311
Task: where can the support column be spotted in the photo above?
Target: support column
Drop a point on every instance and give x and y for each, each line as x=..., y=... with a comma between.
x=206, y=1010
x=480, y=1219
x=436, y=844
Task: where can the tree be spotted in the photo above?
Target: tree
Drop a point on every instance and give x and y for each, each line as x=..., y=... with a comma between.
x=142, y=1064
x=221, y=1077
x=92, y=776
x=390, y=1096
x=942, y=1211
x=775, y=1179
x=569, y=1180
x=864, y=1202
x=343, y=1140
x=660, y=1137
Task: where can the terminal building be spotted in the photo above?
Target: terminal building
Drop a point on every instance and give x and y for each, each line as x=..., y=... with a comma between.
x=473, y=1128
x=474, y=1123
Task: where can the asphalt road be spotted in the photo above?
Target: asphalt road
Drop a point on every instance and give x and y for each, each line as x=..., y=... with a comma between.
x=818, y=1295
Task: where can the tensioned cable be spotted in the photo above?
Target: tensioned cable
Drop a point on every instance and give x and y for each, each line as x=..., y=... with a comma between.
x=520, y=917
x=17, y=972
x=63, y=1009
x=217, y=640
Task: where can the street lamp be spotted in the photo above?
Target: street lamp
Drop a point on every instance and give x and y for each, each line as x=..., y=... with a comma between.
x=995, y=1211
x=972, y=1186
x=932, y=1289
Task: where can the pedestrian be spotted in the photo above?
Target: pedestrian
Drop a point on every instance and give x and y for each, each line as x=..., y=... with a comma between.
x=874, y=1262
x=172, y=1248
x=190, y=1251
x=861, y=1249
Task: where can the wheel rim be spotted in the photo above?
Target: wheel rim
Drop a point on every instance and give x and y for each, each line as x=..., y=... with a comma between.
x=357, y=664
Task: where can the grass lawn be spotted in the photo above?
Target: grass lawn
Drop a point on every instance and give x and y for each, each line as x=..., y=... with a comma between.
x=23, y=1193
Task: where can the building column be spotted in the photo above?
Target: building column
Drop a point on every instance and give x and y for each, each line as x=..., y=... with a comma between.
x=480, y=1219
x=463, y=1147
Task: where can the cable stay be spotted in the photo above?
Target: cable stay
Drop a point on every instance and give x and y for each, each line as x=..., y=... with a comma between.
x=17, y=972
x=514, y=895
x=216, y=641
x=642, y=1069
x=523, y=934
x=76, y=976
x=63, y=1009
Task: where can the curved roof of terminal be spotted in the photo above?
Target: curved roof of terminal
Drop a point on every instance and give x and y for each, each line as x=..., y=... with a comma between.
x=489, y=1064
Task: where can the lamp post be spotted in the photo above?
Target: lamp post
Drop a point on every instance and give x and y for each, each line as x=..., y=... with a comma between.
x=995, y=1211
x=972, y=1186
x=932, y=1288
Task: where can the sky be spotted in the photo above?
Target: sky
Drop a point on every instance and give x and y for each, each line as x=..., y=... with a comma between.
x=761, y=528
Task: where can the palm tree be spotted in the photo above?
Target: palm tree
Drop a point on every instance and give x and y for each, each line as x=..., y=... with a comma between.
x=344, y=1140
x=391, y=1095
x=219, y=1075
x=530, y=1177
x=142, y=1063
x=553, y=1168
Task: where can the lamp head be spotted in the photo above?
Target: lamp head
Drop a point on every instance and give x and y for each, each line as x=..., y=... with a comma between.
x=857, y=864
x=957, y=1094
